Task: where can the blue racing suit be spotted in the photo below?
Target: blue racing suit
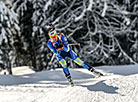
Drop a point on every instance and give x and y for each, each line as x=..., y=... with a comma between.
x=61, y=49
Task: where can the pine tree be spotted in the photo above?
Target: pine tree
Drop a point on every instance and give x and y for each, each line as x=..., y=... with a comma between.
x=8, y=28
x=39, y=35
x=107, y=30
x=33, y=33
x=133, y=36
x=24, y=42
x=102, y=27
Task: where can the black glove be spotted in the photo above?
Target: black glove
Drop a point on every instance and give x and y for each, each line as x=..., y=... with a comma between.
x=58, y=45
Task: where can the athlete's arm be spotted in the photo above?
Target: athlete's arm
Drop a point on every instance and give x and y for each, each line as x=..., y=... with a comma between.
x=66, y=44
x=51, y=47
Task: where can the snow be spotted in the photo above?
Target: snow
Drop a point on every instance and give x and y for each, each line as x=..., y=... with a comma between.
x=51, y=86
x=80, y=16
x=90, y=5
x=22, y=70
x=1, y=38
x=47, y=5
x=127, y=21
x=104, y=10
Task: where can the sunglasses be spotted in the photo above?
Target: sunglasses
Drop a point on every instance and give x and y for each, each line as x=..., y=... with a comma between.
x=52, y=37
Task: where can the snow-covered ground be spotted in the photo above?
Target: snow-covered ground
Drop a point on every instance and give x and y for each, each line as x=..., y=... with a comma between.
x=51, y=86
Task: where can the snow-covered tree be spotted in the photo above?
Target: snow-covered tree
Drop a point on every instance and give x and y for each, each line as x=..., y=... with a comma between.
x=8, y=28
x=106, y=29
x=133, y=35
x=39, y=40
x=102, y=27
x=24, y=42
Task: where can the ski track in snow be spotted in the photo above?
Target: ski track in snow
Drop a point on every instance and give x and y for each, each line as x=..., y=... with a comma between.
x=120, y=85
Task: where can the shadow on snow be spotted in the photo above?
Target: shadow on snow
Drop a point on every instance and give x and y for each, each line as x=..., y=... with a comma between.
x=56, y=79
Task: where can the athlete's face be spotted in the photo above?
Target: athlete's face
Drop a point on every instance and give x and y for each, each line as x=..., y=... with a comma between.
x=53, y=35
x=54, y=38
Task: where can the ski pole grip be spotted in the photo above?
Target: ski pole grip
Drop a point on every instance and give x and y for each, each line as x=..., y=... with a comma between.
x=50, y=63
x=78, y=44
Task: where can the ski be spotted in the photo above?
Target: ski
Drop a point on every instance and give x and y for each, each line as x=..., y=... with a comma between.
x=101, y=75
x=98, y=74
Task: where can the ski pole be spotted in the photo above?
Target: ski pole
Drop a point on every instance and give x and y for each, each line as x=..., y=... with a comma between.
x=54, y=54
x=52, y=59
x=75, y=44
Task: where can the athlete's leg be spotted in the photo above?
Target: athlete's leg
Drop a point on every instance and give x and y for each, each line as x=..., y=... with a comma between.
x=65, y=68
x=77, y=60
x=66, y=71
x=63, y=64
x=82, y=63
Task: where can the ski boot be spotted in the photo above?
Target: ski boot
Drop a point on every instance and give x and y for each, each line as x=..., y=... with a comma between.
x=70, y=80
x=96, y=73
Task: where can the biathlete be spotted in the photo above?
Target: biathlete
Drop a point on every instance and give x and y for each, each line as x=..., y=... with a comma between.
x=59, y=45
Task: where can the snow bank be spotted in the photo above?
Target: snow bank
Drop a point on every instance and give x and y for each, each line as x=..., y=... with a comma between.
x=51, y=86
x=22, y=70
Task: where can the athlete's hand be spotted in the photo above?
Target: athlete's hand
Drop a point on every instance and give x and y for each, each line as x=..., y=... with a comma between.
x=58, y=45
x=57, y=53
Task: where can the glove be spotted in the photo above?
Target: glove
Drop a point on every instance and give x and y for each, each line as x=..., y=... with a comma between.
x=57, y=53
x=58, y=45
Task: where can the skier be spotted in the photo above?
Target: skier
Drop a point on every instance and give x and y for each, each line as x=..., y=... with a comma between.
x=59, y=45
